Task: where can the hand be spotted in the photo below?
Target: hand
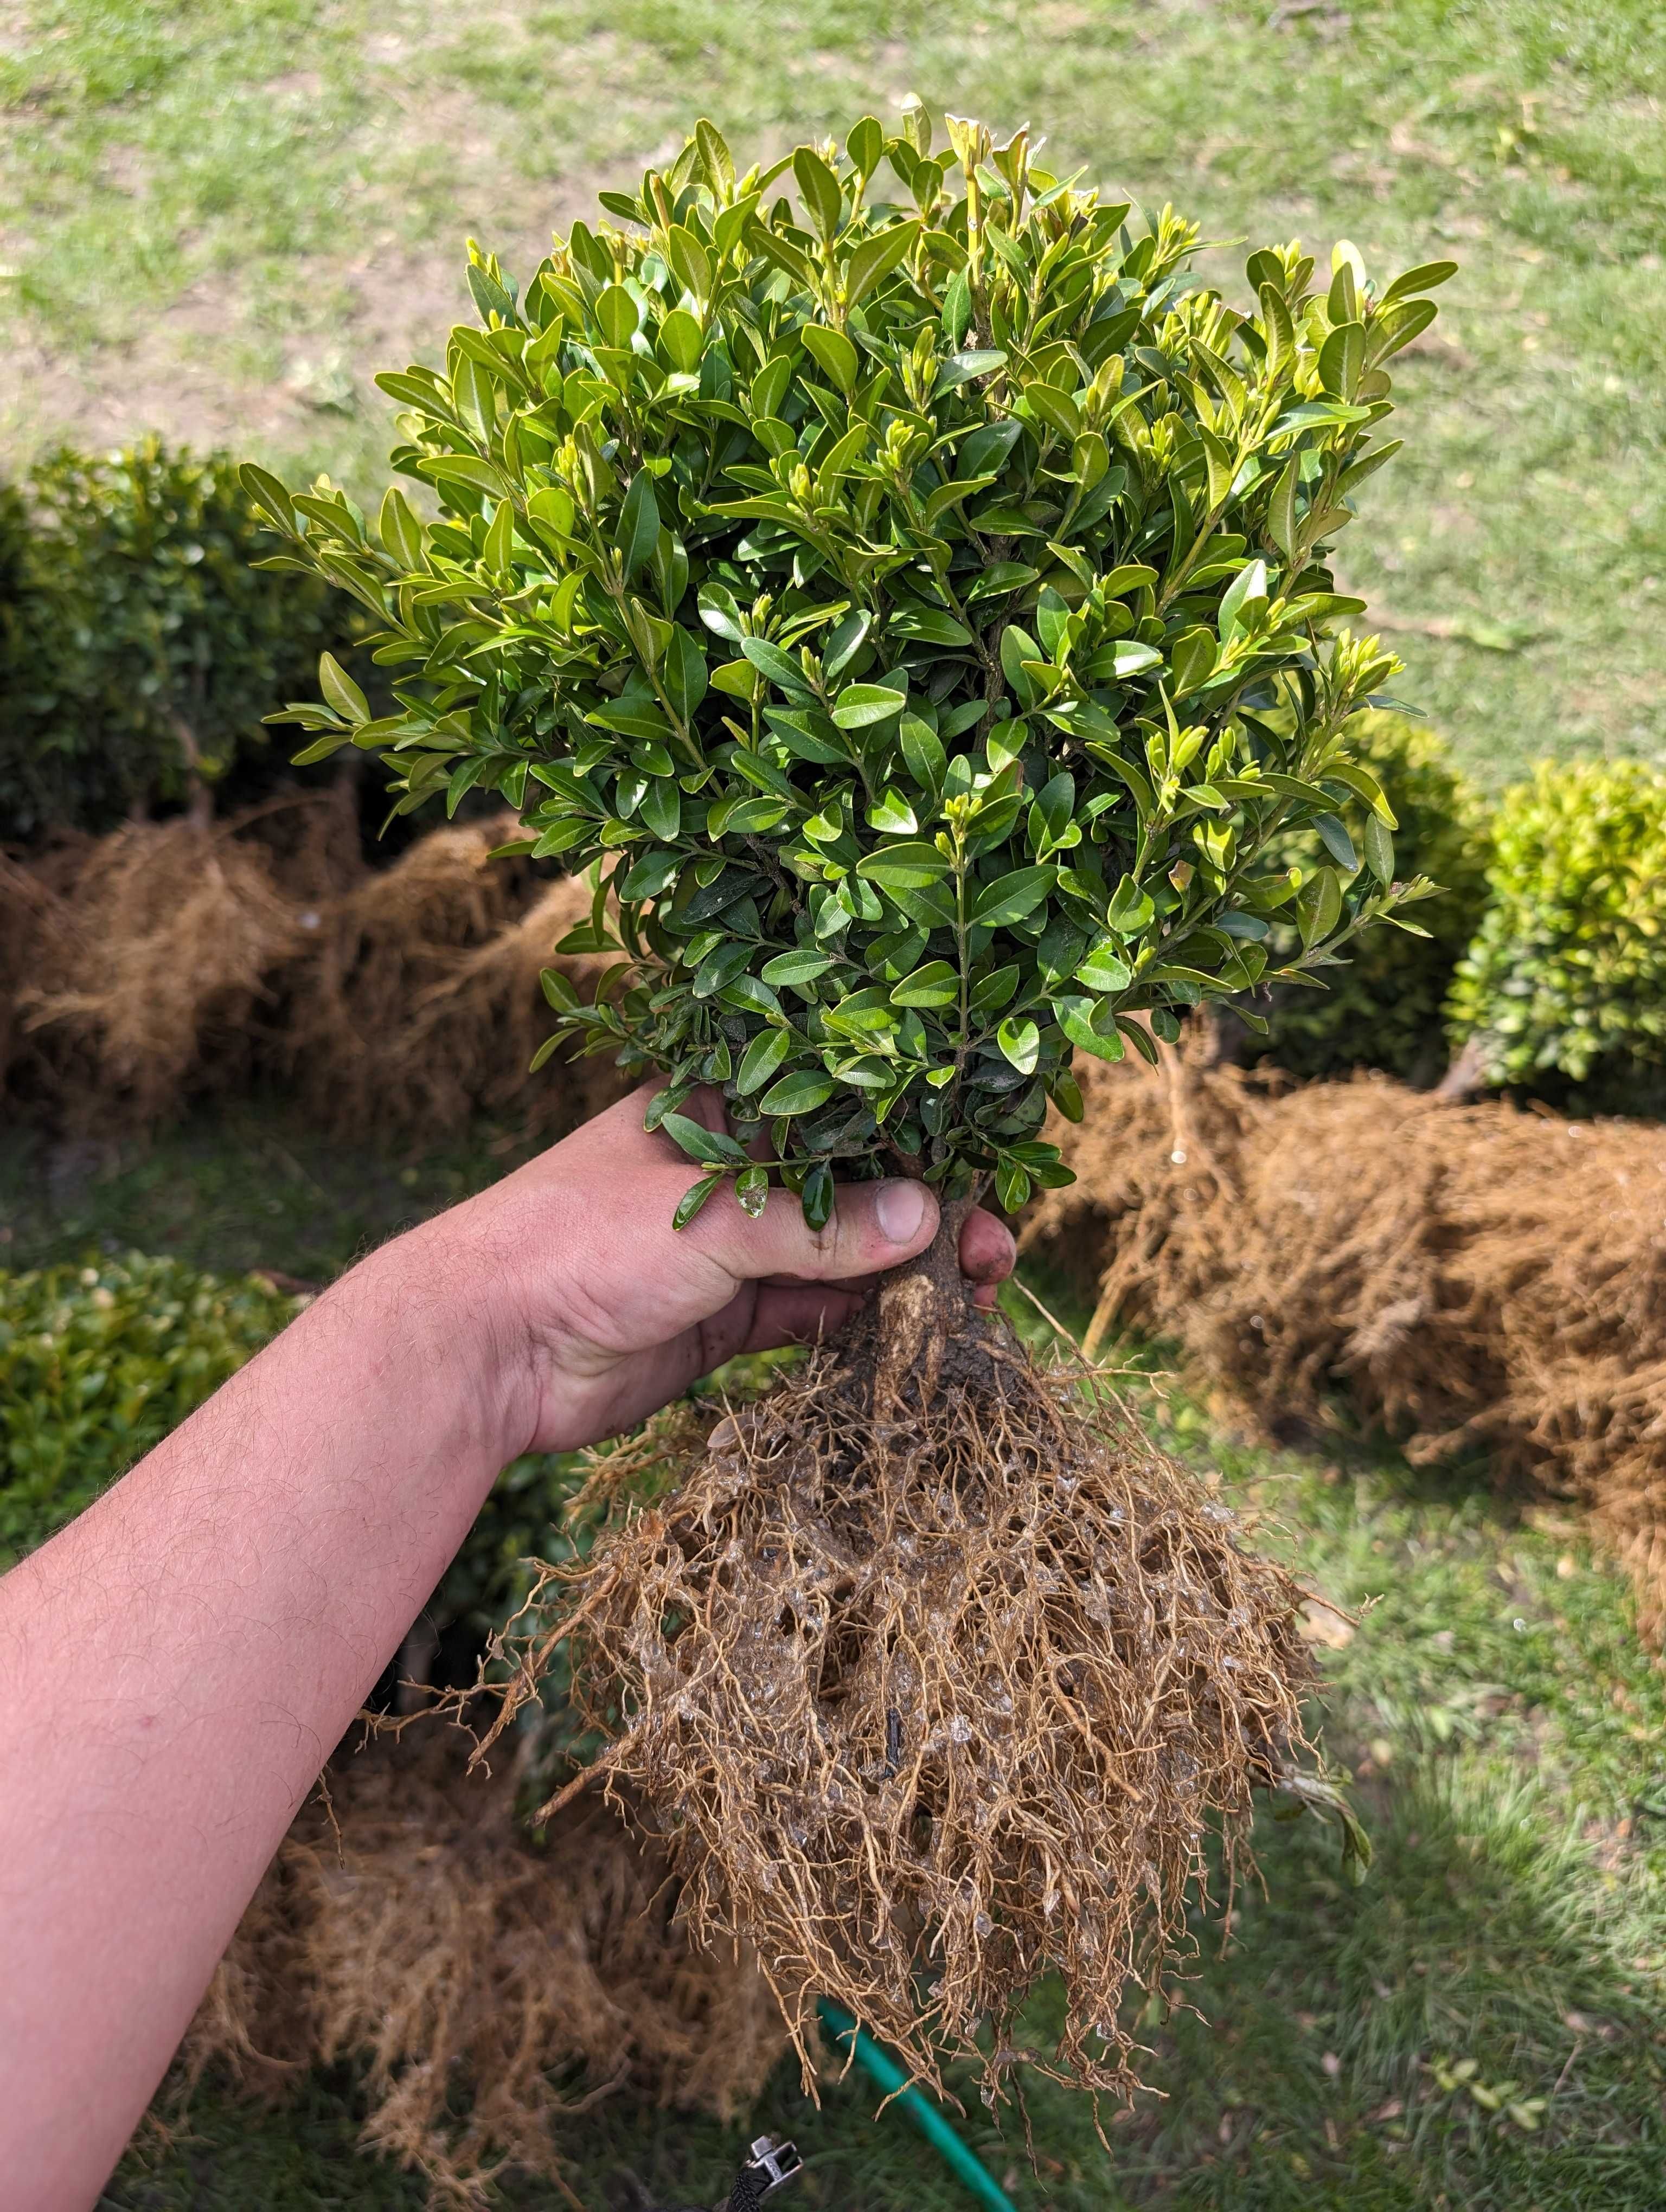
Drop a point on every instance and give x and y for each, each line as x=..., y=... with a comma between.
x=604, y=1312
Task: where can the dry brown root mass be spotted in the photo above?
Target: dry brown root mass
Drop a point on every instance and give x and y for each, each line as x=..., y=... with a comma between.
x=175, y=961
x=493, y=1989
x=931, y=1694
x=1473, y=1277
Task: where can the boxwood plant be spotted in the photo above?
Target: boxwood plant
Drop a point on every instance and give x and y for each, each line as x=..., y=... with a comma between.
x=902, y=584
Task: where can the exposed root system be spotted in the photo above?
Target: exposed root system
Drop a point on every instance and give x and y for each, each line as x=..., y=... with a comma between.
x=934, y=1683
x=158, y=960
x=178, y=961
x=494, y=1990
x=1473, y=1277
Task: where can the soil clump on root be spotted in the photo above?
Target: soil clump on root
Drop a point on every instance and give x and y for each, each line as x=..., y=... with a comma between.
x=936, y=1677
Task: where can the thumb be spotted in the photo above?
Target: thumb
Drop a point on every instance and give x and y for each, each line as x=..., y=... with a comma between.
x=873, y=1226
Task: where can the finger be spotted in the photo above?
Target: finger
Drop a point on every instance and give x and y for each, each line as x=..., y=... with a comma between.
x=803, y=1313
x=873, y=1226
x=987, y=1251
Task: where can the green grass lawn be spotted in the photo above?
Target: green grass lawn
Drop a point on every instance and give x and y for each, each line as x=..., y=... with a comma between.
x=1482, y=2024
x=221, y=216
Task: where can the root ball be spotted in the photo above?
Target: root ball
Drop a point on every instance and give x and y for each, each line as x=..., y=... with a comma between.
x=933, y=1690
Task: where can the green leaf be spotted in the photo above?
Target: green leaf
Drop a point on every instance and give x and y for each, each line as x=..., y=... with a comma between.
x=780, y=667
x=1333, y=831
x=876, y=257
x=1281, y=508
x=891, y=814
x=398, y=529
x=1379, y=850
x=715, y=158
x=817, y=1197
x=1245, y=596
x=931, y=626
x=638, y=531
x=1424, y=278
x=551, y=1044
x=693, y=1198
x=701, y=1144
x=818, y=188
x=654, y=874
x=1076, y=1018
x=1016, y=647
x=1020, y=1041
x=1067, y=1095
x=681, y=340
x=1191, y=660
x=339, y=689
x=1129, y=910
x=1011, y=1186
x=558, y=990
x=923, y=750
x=752, y=1189
x=269, y=494
x=936, y=984
x=762, y=1057
x=860, y=706
x=661, y=809
x=962, y=368
x=990, y=993
x=1342, y=359
x=1105, y=970
x=866, y=144
x=800, y=1092
x=909, y=867
x=616, y=313
x=1012, y=897
x=796, y=967
x=722, y=967
x=834, y=352
x=1318, y=907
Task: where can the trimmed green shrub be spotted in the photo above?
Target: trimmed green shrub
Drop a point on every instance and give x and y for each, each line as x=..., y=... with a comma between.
x=100, y=1362
x=915, y=609
x=139, y=648
x=1567, y=975
x=1382, y=1007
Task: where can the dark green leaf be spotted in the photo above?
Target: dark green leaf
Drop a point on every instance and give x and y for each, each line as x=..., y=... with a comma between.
x=1012, y=897
x=817, y=1197
x=639, y=526
x=800, y=1092
x=701, y=1144
x=907, y=867
x=693, y=1198
x=860, y=706
x=762, y=1057
x=936, y=984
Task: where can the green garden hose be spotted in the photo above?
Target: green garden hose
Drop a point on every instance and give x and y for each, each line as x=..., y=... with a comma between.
x=926, y=2117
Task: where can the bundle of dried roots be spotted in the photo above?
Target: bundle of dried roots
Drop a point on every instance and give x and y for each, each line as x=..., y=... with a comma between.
x=495, y=1990
x=935, y=1678
x=149, y=971
x=1473, y=1277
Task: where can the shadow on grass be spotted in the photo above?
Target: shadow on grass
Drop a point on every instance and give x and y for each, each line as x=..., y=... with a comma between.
x=1470, y=2027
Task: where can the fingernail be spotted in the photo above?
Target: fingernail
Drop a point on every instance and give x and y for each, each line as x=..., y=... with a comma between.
x=899, y=1209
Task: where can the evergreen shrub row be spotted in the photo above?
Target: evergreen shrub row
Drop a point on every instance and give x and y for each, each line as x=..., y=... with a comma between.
x=1544, y=965
x=139, y=647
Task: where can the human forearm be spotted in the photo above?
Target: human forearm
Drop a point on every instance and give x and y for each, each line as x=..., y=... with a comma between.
x=179, y=1662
